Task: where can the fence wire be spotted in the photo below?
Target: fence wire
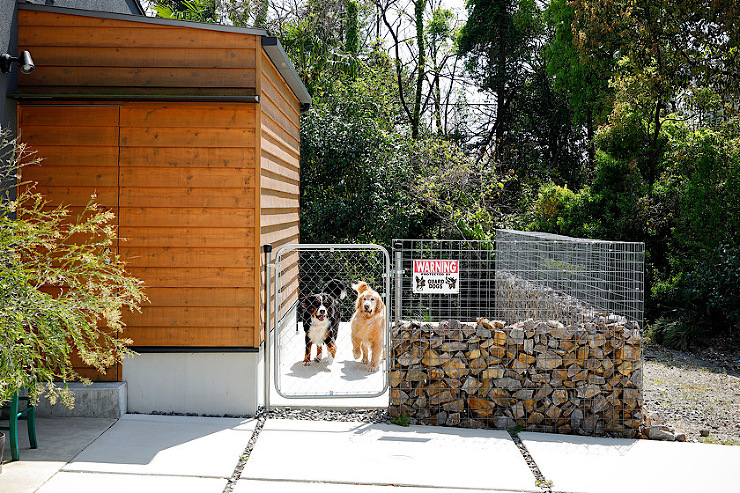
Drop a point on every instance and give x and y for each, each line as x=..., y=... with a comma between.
x=573, y=280
x=477, y=283
x=524, y=275
x=343, y=375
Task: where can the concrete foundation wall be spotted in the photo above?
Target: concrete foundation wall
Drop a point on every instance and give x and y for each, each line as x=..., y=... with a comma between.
x=98, y=400
x=201, y=383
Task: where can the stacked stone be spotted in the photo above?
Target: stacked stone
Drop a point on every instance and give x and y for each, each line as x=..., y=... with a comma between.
x=519, y=299
x=540, y=375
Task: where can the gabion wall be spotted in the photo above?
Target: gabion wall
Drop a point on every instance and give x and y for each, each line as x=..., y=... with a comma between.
x=584, y=378
x=563, y=355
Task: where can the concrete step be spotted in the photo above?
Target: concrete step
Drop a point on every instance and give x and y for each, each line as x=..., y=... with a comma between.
x=97, y=400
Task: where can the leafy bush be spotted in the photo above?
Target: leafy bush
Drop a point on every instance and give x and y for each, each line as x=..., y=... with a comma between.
x=61, y=288
x=560, y=210
x=703, y=272
x=715, y=287
x=676, y=330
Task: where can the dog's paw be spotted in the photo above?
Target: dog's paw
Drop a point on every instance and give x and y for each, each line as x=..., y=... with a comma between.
x=306, y=363
x=373, y=368
x=317, y=359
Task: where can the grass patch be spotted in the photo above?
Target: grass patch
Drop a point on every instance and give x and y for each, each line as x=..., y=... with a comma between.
x=402, y=420
x=719, y=441
x=515, y=430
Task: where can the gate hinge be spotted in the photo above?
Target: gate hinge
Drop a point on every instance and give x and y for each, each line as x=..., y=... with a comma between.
x=400, y=271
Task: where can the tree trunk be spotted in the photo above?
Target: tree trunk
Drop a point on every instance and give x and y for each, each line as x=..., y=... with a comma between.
x=419, y=6
x=653, y=151
x=590, y=137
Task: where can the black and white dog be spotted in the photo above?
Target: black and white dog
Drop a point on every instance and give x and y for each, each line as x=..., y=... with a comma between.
x=320, y=317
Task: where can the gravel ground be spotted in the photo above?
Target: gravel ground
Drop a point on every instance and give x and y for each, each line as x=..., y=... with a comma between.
x=697, y=393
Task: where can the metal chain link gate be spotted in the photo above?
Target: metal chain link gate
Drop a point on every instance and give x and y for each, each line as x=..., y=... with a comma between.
x=302, y=270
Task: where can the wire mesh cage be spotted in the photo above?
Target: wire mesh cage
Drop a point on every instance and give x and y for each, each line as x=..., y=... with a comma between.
x=546, y=276
x=544, y=333
x=524, y=275
x=303, y=370
x=477, y=280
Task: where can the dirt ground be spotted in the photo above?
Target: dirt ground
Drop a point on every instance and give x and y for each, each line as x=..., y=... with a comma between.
x=697, y=392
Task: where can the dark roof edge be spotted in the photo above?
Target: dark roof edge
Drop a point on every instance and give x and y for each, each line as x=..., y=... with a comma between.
x=279, y=58
x=138, y=6
x=270, y=44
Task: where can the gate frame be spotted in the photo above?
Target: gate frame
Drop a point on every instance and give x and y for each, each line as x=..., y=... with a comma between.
x=271, y=353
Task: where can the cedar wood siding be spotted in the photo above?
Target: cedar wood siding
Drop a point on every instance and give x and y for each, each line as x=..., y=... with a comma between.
x=280, y=138
x=79, y=147
x=187, y=211
x=198, y=187
x=96, y=55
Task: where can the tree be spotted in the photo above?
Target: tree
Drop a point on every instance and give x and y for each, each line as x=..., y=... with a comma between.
x=442, y=33
x=62, y=290
x=415, y=53
x=583, y=80
x=419, y=36
x=662, y=50
x=323, y=39
x=189, y=10
x=498, y=43
x=419, y=7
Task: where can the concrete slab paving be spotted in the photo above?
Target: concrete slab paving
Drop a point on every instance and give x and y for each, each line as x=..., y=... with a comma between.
x=81, y=482
x=59, y=441
x=380, y=454
x=607, y=465
x=300, y=386
x=253, y=485
x=168, y=446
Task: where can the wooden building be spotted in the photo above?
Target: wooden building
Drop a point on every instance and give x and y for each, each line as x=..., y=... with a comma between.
x=190, y=134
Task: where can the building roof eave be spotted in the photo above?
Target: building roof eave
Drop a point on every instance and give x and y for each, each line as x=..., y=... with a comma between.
x=270, y=44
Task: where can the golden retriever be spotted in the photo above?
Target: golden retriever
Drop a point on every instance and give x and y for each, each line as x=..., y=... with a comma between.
x=368, y=326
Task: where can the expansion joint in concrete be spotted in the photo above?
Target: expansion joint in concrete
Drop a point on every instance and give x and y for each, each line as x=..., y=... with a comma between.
x=540, y=480
x=244, y=457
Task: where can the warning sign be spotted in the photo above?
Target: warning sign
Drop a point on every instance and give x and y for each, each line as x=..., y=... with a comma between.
x=436, y=277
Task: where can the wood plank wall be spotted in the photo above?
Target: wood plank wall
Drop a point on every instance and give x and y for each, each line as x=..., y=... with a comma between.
x=188, y=201
x=79, y=148
x=76, y=54
x=280, y=172
x=181, y=178
x=199, y=187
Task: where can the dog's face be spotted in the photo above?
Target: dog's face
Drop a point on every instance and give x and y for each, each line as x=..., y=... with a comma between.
x=369, y=303
x=320, y=306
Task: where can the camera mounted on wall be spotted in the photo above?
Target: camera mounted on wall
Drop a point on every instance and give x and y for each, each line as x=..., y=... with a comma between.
x=25, y=62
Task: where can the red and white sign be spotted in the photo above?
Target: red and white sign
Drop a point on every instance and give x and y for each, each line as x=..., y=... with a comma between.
x=436, y=277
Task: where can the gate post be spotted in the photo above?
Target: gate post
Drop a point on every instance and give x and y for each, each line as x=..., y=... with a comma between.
x=267, y=383
x=398, y=277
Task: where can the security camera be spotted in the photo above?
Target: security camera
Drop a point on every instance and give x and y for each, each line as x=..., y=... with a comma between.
x=25, y=62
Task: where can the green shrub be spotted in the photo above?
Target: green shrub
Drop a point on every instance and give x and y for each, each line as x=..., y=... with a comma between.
x=677, y=330
x=61, y=288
